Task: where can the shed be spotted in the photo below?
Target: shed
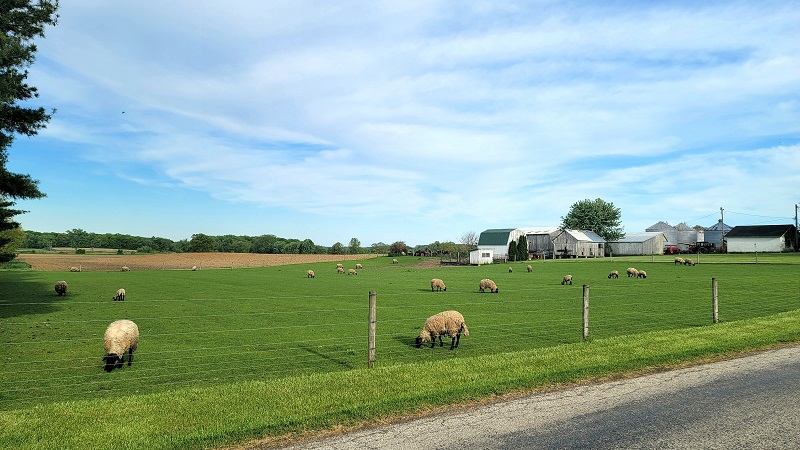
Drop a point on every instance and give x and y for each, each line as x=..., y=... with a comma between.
x=481, y=256
x=636, y=244
x=578, y=244
x=761, y=238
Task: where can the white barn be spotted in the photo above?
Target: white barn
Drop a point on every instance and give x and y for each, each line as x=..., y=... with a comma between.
x=761, y=238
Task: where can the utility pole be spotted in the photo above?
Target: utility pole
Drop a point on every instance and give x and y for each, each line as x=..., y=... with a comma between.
x=796, y=231
x=722, y=229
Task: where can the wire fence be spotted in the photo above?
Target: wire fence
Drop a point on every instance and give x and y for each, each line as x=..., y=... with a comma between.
x=56, y=360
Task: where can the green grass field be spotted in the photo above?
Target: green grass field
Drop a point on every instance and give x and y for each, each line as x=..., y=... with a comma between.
x=230, y=335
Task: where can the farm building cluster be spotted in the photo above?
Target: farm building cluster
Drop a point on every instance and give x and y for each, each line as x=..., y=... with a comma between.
x=554, y=242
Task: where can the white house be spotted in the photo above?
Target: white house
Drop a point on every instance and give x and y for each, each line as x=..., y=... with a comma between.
x=761, y=238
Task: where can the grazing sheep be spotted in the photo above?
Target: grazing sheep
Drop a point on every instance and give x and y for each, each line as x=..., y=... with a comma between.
x=642, y=274
x=510, y=270
x=678, y=260
x=340, y=270
x=488, y=284
x=688, y=262
x=614, y=274
x=194, y=268
x=126, y=269
x=566, y=280
x=74, y=269
x=530, y=269
x=352, y=272
x=310, y=274
x=395, y=261
x=359, y=266
x=447, y=323
x=121, y=336
x=61, y=288
x=632, y=272
x=437, y=284
x=339, y=266
x=119, y=296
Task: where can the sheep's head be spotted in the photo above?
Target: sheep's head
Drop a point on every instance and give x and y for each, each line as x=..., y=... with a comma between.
x=424, y=336
x=113, y=361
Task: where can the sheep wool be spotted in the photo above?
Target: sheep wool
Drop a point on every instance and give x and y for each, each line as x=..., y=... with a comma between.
x=119, y=296
x=126, y=269
x=61, y=288
x=642, y=274
x=678, y=260
x=352, y=272
x=632, y=272
x=688, y=262
x=488, y=284
x=437, y=285
x=566, y=280
x=121, y=336
x=74, y=269
x=395, y=261
x=340, y=270
x=446, y=323
x=614, y=274
x=310, y=274
x=530, y=269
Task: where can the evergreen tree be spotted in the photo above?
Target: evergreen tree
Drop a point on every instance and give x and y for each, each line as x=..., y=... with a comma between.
x=522, y=249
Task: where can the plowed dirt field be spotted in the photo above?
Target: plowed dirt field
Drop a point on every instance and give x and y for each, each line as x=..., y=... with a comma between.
x=172, y=261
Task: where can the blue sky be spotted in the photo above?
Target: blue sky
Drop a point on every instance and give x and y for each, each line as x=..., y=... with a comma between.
x=415, y=120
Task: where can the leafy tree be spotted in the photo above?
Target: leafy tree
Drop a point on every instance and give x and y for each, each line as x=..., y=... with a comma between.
x=77, y=237
x=201, y=243
x=522, y=248
x=21, y=21
x=307, y=247
x=13, y=237
x=355, y=246
x=398, y=248
x=595, y=215
x=379, y=248
x=337, y=249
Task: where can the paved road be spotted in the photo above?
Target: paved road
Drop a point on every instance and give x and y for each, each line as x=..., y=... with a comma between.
x=751, y=402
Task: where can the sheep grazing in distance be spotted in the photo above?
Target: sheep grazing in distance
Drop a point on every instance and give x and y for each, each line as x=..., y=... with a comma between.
x=395, y=261
x=642, y=274
x=614, y=274
x=438, y=285
x=566, y=280
x=632, y=272
x=446, y=323
x=74, y=269
x=126, y=269
x=352, y=272
x=61, y=288
x=340, y=270
x=310, y=274
x=679, y=260
x=119, y=296
x=688, y=262
x=488, y=284
x=194, y=268
x=121, y=336
x=530, y=269
x=339, y=266
x=359, y=266
x=510, y=270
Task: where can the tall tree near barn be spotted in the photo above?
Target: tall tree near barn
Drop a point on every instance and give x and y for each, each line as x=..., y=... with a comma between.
x=595, y=215
x=21, y=21
x=522, y=248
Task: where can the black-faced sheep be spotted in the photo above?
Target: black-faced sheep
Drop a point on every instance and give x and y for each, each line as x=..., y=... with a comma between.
x=61, y=288
x=566, y=280
x=688, y=262
x=614, y=274
x=310, y=274
x=642, y=274
x=121, y=336
x=678, y=260
x=194, y=268
x=437, y=285
x=340, y=270
x=447, y=323
x=530, y=269
x=126, y=269
x=632, y=272
x=395, y=261
x=359, y=266
x=488, y=284
x=510, y=270
x=119, y=296
x=352, y=272
x=339, y=266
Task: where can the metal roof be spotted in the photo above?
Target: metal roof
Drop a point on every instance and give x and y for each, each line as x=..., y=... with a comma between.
x=640, y=237
x=759, y=231
x=497, y=236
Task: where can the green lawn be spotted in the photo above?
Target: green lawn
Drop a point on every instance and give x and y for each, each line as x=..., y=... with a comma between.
x=260, y=341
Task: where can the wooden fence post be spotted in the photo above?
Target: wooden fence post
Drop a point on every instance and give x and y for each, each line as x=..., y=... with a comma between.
x=714, y=301
x=585, y=311
x=372, y=322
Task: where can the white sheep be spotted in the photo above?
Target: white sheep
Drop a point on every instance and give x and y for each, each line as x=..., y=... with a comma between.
x=530, y=268
x=395, y=261
x=688, y=262
x=614, y=274
x=438, y=285
x=339, y=266
x=119, y=296
x=194, y=268
x=352, y=272
x=126, y=269
x=632, y=272
x=488, y=284
x=121, y=336
x=446, y=323
x=678, y=260
x=510, y=270
x=566, y=280
x=61, y=288
x=359, y=266
x=74, y=269
x=340, y=270
x=310, y=273
x=642, y=274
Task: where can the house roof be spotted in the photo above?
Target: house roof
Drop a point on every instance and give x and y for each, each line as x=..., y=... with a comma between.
x=640, y=237
x=759, y=231
x=496, y=236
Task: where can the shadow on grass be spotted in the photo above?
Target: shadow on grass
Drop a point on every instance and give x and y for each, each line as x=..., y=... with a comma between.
x=25, y=294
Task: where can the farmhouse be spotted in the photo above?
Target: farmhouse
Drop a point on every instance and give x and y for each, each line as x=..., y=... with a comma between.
x=762, y=238
x=635, y=244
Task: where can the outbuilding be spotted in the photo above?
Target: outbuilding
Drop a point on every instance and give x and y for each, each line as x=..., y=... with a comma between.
x=762, y=238
x=637, y=244
x=578, y=244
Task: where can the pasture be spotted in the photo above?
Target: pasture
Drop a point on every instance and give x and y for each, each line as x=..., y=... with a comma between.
x=219, y=328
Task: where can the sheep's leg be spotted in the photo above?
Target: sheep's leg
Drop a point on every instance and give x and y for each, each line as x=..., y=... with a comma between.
x=441, y=343
x=454, y=343
x=130, y=357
